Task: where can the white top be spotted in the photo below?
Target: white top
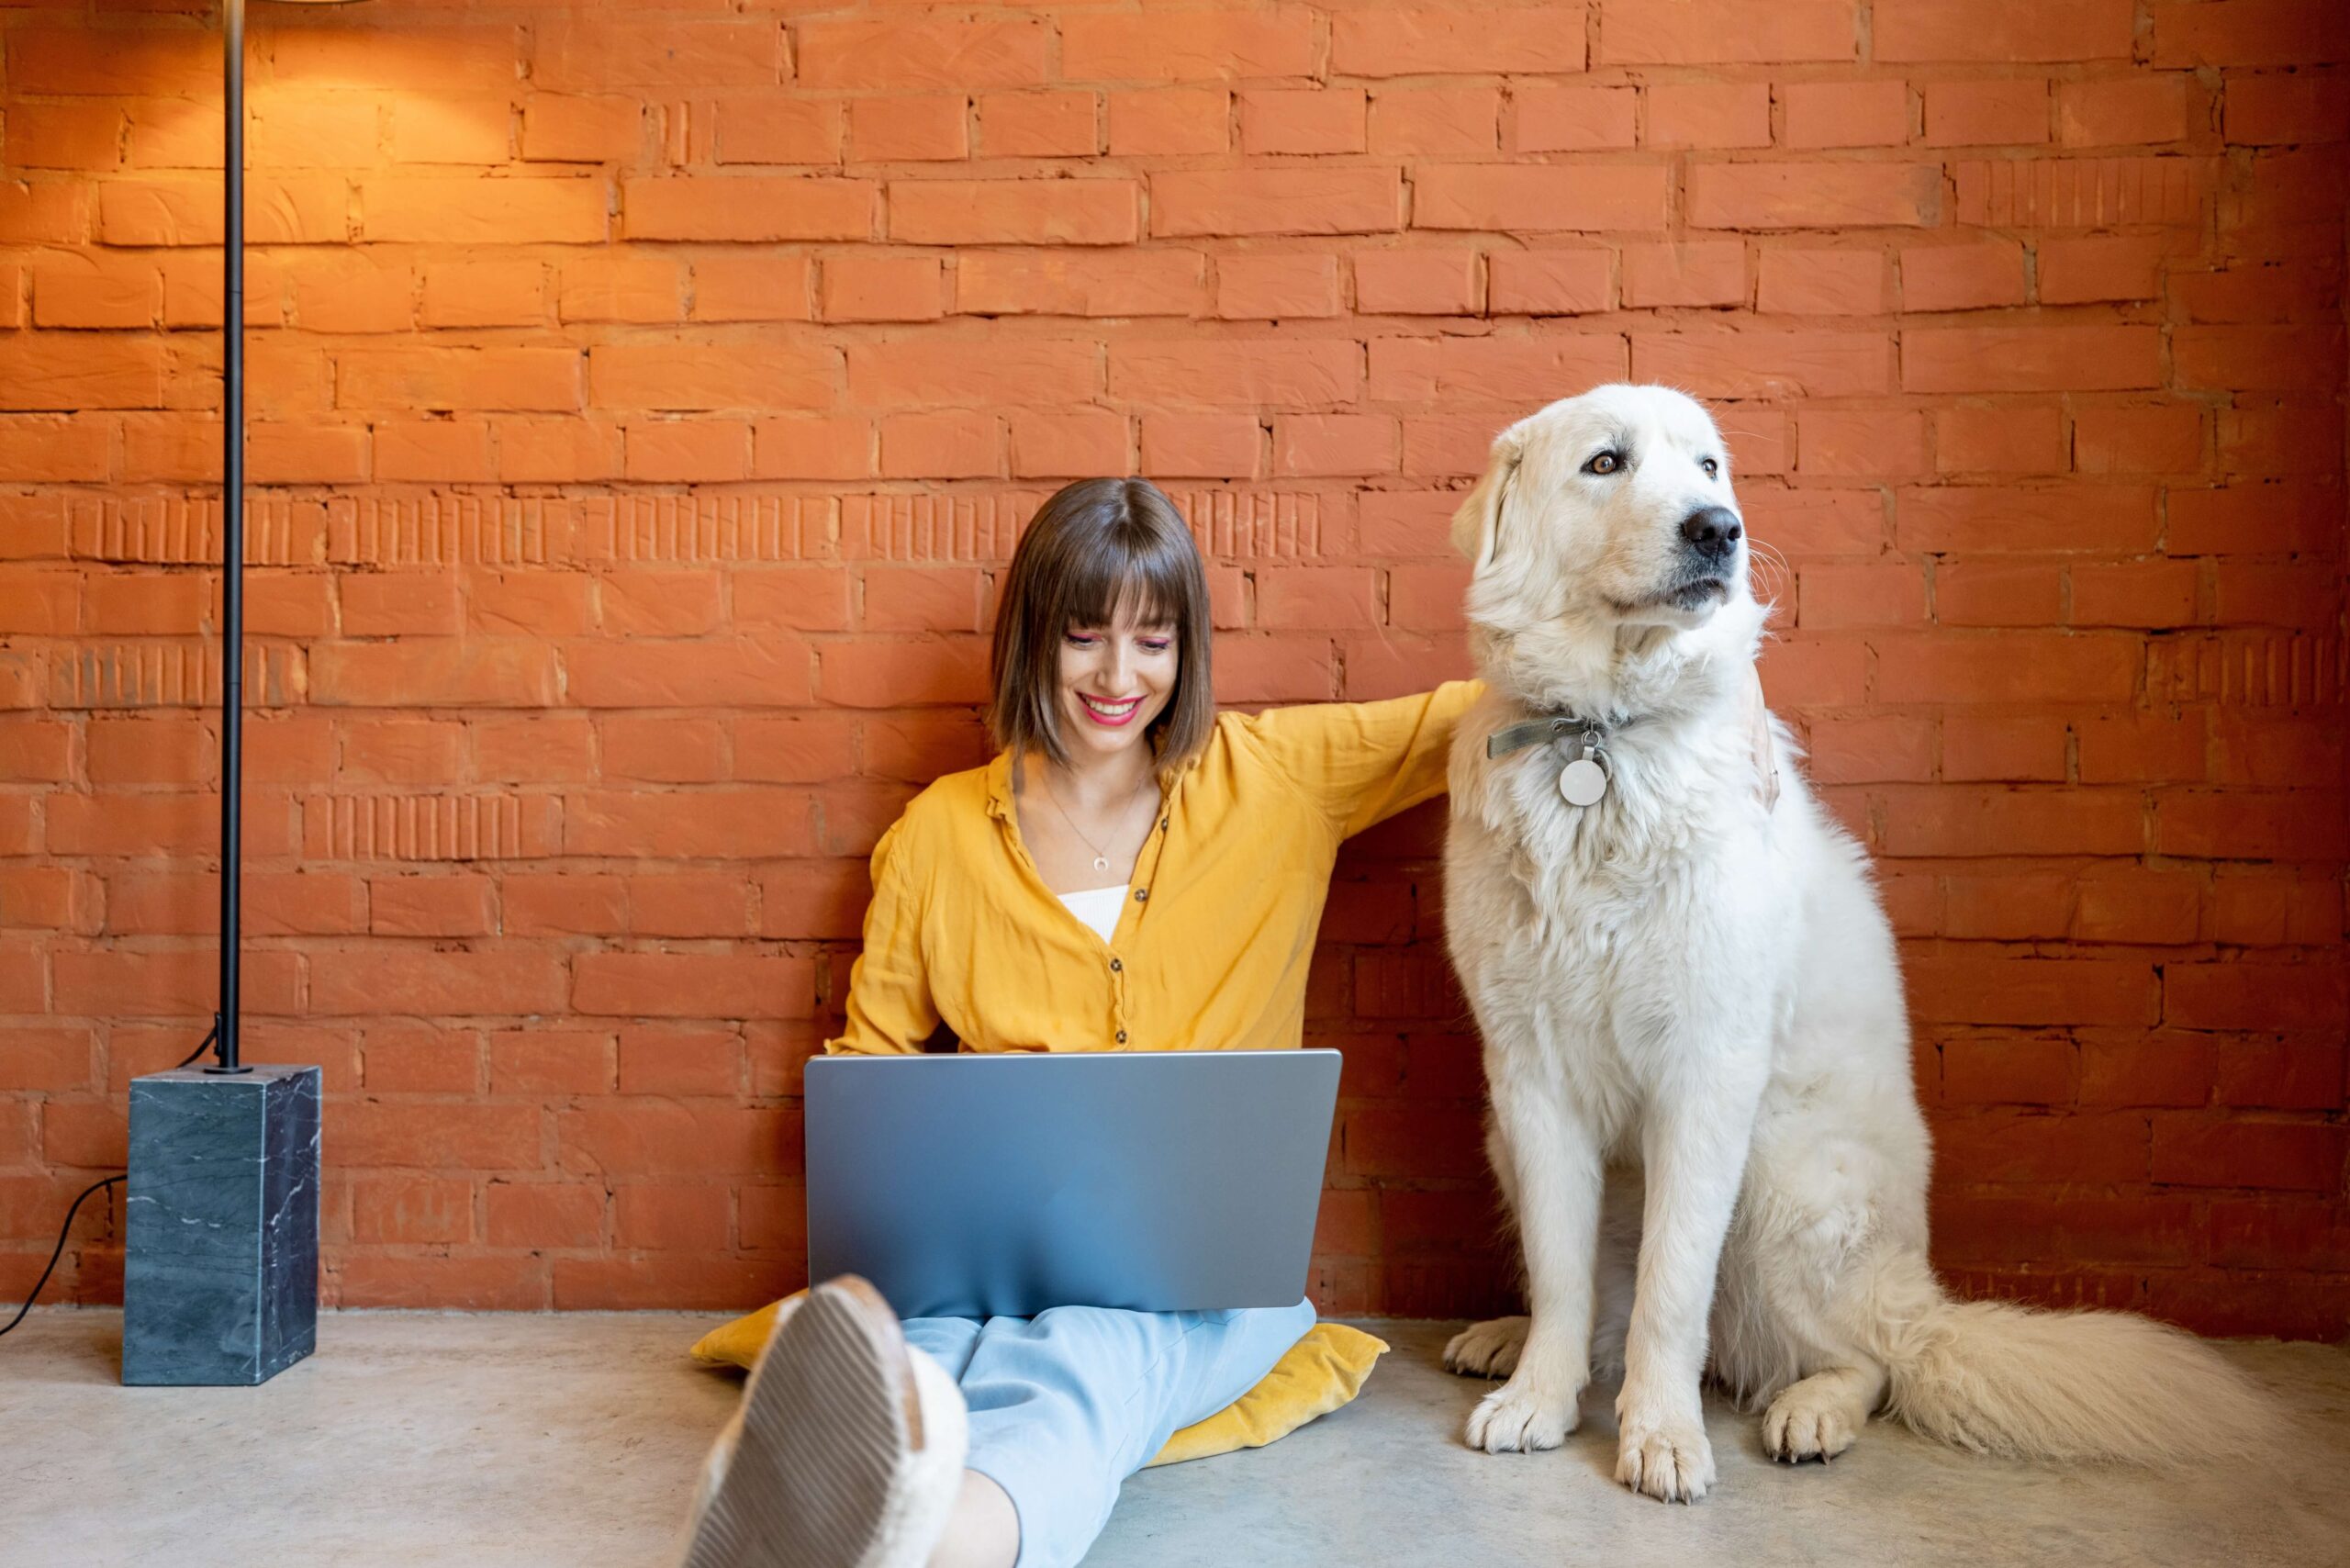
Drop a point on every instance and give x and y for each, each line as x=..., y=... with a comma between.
x=1098, y=907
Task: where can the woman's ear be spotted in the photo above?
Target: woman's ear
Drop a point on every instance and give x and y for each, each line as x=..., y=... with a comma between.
x=1477, y=526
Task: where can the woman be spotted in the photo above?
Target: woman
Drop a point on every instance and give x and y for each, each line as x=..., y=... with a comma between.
x=1133, y=871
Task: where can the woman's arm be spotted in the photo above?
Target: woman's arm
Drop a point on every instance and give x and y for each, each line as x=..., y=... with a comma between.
x=889, y=1007
x=1363, y=762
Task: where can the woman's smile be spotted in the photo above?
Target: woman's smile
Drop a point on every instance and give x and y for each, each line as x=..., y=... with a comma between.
x=1115, y=713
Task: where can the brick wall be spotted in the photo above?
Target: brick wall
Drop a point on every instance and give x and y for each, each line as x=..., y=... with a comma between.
x=645, y=400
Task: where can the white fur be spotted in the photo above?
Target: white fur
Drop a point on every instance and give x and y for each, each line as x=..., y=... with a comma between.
x=1694, y=1040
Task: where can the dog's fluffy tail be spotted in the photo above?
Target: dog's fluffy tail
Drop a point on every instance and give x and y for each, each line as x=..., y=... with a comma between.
x=2001, y=1379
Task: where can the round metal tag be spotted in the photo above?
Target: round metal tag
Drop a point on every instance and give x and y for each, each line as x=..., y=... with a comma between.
x=1583, y=782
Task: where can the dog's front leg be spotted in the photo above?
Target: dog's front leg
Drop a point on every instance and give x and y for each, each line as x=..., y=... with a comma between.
x=1553, y=1179
x=1694, y=1148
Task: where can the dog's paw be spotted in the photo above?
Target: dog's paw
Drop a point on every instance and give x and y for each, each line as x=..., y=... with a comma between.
x=1486, y=1349
x=1521, y=1419
x=1800, y=1426
x=1667, y=1458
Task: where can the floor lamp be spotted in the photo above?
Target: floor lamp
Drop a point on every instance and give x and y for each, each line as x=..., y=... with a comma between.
x=220, y=1268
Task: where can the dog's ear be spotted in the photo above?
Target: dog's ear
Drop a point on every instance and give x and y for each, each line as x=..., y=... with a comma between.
x=1477, y=526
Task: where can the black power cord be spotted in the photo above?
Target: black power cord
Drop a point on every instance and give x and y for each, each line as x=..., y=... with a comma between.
x=62, y=1231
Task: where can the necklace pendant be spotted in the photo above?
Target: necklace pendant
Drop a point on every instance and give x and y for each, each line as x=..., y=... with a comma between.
x=1101, y=862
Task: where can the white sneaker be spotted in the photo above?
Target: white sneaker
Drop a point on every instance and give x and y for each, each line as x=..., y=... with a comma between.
x=847, y=1452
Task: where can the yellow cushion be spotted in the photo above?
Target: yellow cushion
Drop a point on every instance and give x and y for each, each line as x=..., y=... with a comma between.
x=1318, y=1374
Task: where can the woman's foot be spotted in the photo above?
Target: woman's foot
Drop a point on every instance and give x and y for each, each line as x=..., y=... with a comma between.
x=847, y=1450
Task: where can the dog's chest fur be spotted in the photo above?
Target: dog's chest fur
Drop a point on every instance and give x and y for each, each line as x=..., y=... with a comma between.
x=1590, y=922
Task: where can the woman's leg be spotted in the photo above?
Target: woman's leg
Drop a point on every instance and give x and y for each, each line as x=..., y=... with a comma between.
x=1065, y=1405
x=982, y=1531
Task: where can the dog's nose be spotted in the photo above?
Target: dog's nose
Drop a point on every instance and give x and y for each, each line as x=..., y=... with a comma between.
x=1712, y=530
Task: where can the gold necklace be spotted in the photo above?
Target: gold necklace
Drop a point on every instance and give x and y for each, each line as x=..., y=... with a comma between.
x=1100, y=856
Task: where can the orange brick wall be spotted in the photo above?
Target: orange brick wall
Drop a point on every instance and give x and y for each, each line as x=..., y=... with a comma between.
x=645, y=400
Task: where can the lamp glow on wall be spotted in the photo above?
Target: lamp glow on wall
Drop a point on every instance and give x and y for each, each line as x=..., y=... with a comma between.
x=221, y=1273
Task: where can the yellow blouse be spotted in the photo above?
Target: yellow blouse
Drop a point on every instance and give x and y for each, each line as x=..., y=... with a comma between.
x=1210, y=950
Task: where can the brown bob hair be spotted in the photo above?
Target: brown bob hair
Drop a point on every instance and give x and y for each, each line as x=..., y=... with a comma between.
x=1094, y=544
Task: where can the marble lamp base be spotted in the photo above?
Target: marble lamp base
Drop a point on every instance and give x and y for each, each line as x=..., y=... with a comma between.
x=220, y=1280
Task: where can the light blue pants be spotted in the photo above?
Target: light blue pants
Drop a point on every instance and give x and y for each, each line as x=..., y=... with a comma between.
x=1065, y=1405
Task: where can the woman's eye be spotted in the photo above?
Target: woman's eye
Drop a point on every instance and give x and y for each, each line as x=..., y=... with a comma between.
x=1159, y=647
x=1713, y=469
x=1080, y=639
x=1605, y=463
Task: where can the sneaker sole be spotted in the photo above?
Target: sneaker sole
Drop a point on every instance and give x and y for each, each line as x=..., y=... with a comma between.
x=828, y=1423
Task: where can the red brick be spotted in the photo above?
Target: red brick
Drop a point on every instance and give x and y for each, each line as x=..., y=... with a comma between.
x=1759, y=363
x=1039, y=125
x=2006, y=31
x=1267, y=285
x=2029, y=519
x=1537, y=199
x=1547, y=117
x=433, y=1134
x=1442, y=121
x=749, y=208
x=921, y=51
x=1399, y=42
x=2075, y=271
x=2162, y=440
x=1548, y=283
x=1087, y=442
x=1202, y=445
x=2030, y=359
x=1846, y=114
x=2024, y=1147
x=805, y=448
x=1968, y=277
x=1862, y=751
x=544, y=1214
x=933, y=128
x=1254, y=373
x=1709, y=115
x=2010, y=821
x=1698, y=272
x=1974, y=440
x=1812, y=196
x=559, y=128
x=881, y=289
x=1294, y=120
x=2281, y=1155
x=1188, y=45
x=948, y=444
x=1276, y=201
x=665, y=1058
x=2009, y=111
x=1693, y=32
x=2271, y=110
x=2148, y=594
x=2133, y=111
x=441, y=451
x=1170, y=120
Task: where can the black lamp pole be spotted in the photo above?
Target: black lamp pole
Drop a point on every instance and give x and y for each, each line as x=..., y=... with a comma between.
x=232, y=548
x=220, y=1272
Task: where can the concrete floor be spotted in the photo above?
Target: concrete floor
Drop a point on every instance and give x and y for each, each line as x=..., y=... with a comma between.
x=508, y=1441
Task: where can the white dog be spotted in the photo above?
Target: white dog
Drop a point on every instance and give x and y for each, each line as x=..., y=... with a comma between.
x=1694, y=1041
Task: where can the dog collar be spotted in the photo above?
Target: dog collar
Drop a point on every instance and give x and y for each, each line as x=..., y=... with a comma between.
x=1533, y=731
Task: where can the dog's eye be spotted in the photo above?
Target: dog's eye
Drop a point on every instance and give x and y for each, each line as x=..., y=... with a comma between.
x=1605, y=463
x=1713, y=469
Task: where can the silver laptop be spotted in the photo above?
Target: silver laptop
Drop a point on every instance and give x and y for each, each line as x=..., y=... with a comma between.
x=1002, y=1184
